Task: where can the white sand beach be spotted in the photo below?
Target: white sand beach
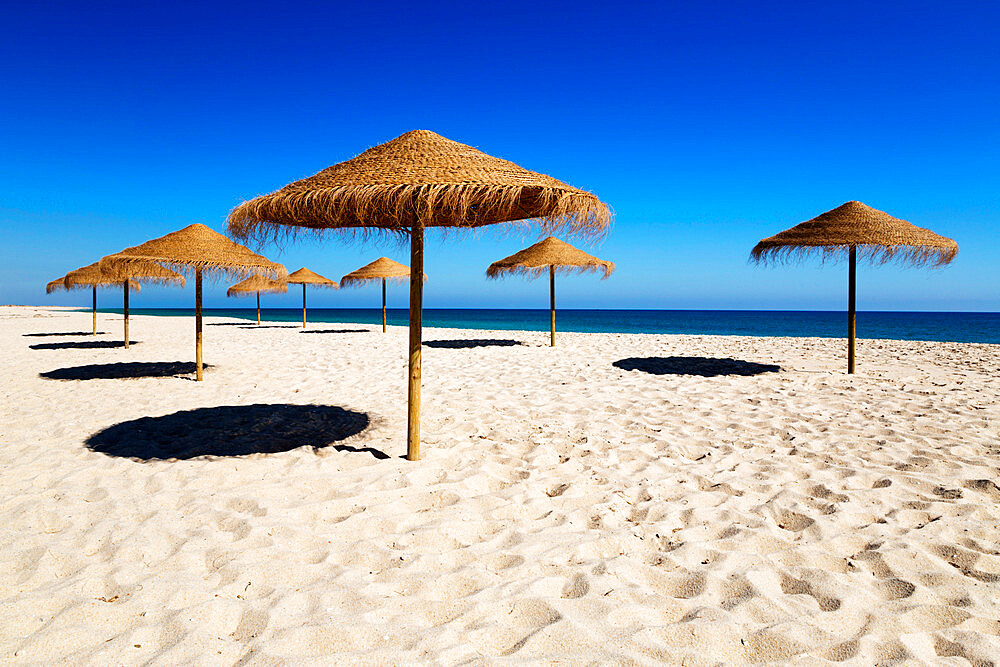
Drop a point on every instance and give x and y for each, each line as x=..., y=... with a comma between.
x=620, y=499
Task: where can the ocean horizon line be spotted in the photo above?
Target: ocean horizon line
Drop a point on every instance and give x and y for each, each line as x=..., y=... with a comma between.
x=941, y=326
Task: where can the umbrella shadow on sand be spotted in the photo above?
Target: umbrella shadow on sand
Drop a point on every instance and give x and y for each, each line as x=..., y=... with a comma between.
x=473, y=342
x=233, y=430
x=271, y=326
x=702, y=366
x=335, y=331
x=63, y=333
x=81, y=345
x=125, y=370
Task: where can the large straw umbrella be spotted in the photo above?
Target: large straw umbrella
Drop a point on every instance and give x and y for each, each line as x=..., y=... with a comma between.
x=548, y=256
x=415, y=181
x=197, y=249
x=145, y=272
x=852, y=228
x=382, y=269
x=256, y=285
x=306, y=277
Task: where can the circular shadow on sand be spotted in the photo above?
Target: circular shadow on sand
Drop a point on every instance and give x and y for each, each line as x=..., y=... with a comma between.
x=82, y=345
x=334, y=331
x=233, y=430
x=64, y=333
x=473, y=342
x=125, y=370
x=703, y=366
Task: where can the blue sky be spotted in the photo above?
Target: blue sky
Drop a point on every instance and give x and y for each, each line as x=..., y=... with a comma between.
x=707, y=126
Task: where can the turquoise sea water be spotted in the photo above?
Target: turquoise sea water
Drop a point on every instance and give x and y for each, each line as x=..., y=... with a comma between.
x=958, y=327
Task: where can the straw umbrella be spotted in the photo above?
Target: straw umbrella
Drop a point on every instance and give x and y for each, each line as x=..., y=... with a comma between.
x=306, y=277
x=197, y=249
x=257, y=284
x=147, y=272
x=548, y=256
x=382, y=269
x=91, y=276
x=60, y=284
x=854, y=227
x=415, y=181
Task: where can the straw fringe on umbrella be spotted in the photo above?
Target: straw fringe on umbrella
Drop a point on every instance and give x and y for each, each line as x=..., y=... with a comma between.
x=382, y=269
x=256, y=285
x=146, y=272
x=418, y=180
x=306, y=277
x=200, y=250
x=549, y=256
x=854, y=229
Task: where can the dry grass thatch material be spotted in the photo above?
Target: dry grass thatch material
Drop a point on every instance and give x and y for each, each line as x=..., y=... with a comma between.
x=535, y=261
x=877, y=236
x=55, y=285
x=419, y=178
x=142, y=272
x=195, y=247
x=258, y=285
x=383, y=267
x=306, y=277
x=92, y=276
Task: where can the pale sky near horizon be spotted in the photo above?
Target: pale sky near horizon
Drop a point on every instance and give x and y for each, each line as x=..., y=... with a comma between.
x=706, y=126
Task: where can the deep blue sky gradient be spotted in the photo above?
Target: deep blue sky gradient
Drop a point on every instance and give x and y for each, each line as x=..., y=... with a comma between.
x=707, y=126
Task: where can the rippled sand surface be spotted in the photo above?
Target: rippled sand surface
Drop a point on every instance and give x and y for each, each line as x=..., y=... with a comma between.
x=620, y=499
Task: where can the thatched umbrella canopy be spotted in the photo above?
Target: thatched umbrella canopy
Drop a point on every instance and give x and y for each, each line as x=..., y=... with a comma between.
x=415, y=181
x=306, y=277
x=146, y=272
x=91, y=276
x=55, y=285
x=382, y=269
x=549, y=256
x=197, y=249
x=256, y=285
x=852, y=228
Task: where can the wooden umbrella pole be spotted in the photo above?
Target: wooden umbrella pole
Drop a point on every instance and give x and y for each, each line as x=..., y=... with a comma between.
x=416, y=323
x=258, y=308
x=94, y=288
x=552, y=302
x=125, y=309
x=383, y=305
x=852, y=284
x=197, y=325
x=303, y=305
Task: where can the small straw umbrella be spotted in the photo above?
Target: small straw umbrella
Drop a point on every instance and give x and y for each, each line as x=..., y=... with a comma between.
x=418, y=180
x=146, y=272
x=257, y=284
x=197, y=249
x=852, y=227
x=548, y=256
x=306, y=277
x=60, y=284
x=382, y=269
x=91, y=276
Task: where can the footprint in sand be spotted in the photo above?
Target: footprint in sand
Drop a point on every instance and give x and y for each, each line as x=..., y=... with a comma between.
x=576, y=588
x=792, y=586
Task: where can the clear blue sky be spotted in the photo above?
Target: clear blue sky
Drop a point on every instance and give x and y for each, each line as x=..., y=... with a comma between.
x=707, y=126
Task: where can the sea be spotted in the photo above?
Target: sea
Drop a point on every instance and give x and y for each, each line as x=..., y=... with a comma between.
x=934, y=326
